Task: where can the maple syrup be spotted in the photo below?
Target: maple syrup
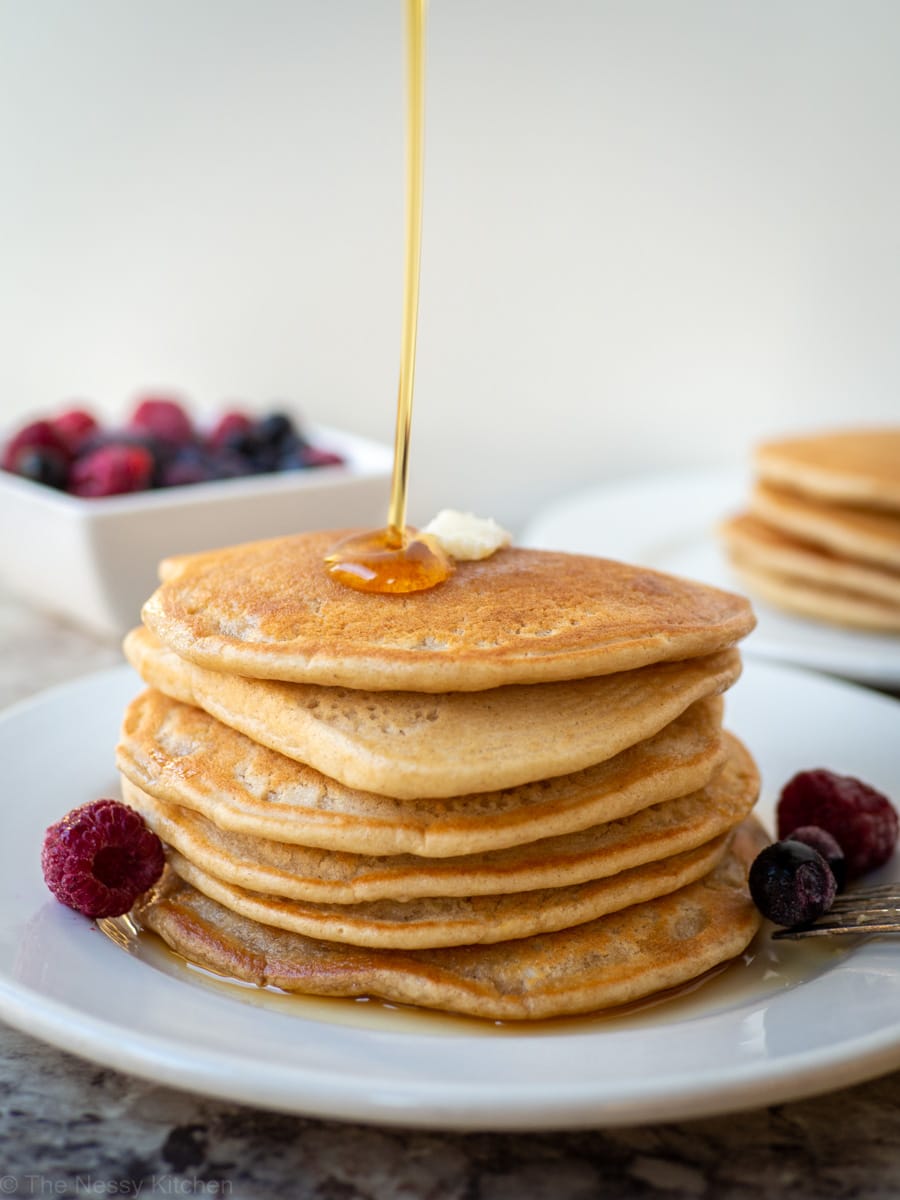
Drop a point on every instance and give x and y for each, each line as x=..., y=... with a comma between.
x=766, y=968
x=398, y=558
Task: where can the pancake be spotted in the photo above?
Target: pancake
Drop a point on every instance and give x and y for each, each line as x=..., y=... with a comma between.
x=765, y=548
x=429, y=922
x=868, y=536
x=270, y=610
x=854, y=466
x=404, y=745
x=182, y=756
x=839, y=606
x=302, y=873
x=610, y=961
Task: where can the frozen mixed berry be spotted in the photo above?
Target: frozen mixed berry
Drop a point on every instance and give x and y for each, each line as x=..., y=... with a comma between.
x=38, y=435
x=791, y=883
x=189, y=464
x=112, y=471
x=100, y=858
x=42, y=464
x=75, y=426
x=312, y=456
x=862, y=820
x=230, y=431
x=164, y=419
x=827, y=846
x=275, y=429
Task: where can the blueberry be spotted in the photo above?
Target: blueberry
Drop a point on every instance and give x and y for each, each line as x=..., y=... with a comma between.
x=821, y=840
x=227, y=464
x=42, y=464
x=275, y=429
x=791, y=883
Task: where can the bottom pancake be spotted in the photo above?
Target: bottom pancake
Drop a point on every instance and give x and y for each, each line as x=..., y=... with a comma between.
x=613, y=960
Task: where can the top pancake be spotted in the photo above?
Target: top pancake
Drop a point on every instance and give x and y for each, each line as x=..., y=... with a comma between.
x=269, y=610
x=854, y=466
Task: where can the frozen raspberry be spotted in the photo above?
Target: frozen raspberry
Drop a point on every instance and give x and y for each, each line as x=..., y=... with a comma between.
x=862, y=820
x=74, y=427
x=164, y=418
x=791, y=883
x=100, y=857
x=112, y=471
x=39, y=435
x=827, y=846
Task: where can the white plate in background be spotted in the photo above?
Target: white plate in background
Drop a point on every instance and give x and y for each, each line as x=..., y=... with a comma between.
x=822, y=1018
x=668, y=522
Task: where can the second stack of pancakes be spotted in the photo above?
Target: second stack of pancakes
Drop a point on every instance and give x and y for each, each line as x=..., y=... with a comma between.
x=821, y=534
x=446, y=799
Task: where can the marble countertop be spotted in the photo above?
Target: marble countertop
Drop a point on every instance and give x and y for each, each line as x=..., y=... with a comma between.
x=72, y=1128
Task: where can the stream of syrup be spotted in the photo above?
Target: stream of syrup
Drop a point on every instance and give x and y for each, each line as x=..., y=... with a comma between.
x=398, y=558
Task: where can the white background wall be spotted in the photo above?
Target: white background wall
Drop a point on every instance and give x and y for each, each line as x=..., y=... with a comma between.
x=656, y=230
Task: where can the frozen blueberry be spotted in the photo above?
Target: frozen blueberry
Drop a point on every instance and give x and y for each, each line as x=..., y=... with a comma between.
x=791, y=883
x=42, y=464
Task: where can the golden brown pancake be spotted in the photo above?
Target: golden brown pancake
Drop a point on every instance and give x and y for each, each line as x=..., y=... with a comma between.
x=321, y=876
x=406, y=745
x=268, y=609
x=182, y=756
x=761, y=546
x=839, y=606
x=864, y=535
x=852, y=466
x=427, y=922
x=609, y=961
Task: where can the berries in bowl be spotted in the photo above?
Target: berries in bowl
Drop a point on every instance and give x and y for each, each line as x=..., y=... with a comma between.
x=89, y=508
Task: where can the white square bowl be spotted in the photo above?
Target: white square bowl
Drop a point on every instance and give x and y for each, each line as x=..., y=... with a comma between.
x=95, y=560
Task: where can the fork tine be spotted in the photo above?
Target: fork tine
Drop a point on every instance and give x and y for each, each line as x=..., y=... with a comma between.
x=868, y=910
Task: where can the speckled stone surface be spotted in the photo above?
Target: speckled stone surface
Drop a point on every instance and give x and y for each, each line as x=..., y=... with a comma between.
x=72, y=1128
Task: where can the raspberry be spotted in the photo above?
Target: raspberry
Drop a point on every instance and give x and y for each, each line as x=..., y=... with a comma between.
x=821, y=840
x=111, y=471
x=862, y=820
x=39, y=435
x=165, y=419
x=74, y=427
x=791, y=883
x=100, y=857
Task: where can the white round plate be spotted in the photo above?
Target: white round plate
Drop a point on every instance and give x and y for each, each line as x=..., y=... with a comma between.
x=782, y=1027
x=668, y=522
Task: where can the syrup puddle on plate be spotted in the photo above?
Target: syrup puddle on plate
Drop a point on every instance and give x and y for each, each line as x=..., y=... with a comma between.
x=764, y=969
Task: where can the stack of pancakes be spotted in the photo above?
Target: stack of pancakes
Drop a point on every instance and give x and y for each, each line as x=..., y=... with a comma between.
x=822, y=534
x=510, y=796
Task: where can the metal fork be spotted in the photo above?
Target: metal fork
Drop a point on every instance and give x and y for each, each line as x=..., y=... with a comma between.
x=864, y=910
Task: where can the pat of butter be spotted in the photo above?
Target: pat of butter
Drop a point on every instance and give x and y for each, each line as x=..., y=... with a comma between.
x=466, y=537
